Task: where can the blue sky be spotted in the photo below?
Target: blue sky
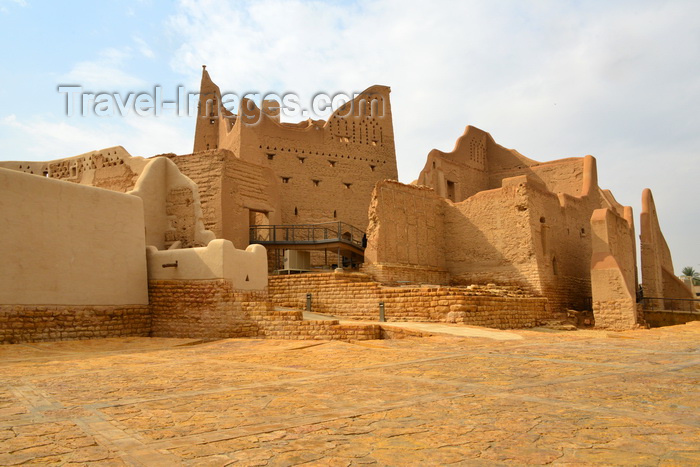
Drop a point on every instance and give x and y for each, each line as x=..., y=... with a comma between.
x=616, y=79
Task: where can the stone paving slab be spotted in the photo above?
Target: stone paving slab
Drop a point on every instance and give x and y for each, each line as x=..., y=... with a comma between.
x=567, y=398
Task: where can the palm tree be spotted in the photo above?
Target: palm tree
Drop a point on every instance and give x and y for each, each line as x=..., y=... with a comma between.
x=689, y=271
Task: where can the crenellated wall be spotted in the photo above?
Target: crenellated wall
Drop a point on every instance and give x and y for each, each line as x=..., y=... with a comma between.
x=324, y=170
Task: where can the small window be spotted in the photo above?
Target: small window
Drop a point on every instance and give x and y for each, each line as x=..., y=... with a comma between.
x=270, y=156
x=542, y=220
x=212, y=121
x=347, y=185
x=331, y=163
x=335, y=214
x=285, y=179
x=316, y=182
x=301, y=159
x=296, y=212
x=451, y=191
x=372, y=167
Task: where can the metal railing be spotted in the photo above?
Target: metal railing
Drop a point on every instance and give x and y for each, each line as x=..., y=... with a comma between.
x=329, y=232
x=683, y=305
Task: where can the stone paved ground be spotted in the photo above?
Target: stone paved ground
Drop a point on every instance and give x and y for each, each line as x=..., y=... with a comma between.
x=585, y=397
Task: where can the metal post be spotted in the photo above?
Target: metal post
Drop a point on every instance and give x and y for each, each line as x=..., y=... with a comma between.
x=381, y=312
x=308, y=302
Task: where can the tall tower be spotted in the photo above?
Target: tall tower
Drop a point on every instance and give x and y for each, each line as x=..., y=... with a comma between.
x=206, y=135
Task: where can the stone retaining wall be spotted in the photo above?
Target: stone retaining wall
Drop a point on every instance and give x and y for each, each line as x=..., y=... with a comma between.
x=204, y=309
x=391, y=274
x=616, y=315
x=37, y=323
x=213, y=309
x=356, y=296
x=656, y=319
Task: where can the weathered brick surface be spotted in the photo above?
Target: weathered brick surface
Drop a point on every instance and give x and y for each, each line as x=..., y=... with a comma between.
x=206, y=309
x=615, y=314
x=213, y=309
x=656, y=319
x=36, y=323
x=356, y=296
x=396, y=274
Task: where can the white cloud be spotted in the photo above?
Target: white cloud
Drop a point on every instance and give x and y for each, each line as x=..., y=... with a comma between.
x=5, y=10
x=144, y=48
x=104, y=73
x=47, y=138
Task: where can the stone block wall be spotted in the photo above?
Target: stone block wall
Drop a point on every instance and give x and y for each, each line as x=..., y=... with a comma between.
x=660, y=318
x=394, y=274
x=356, y=296
x=616, y=315
x=214, y=309
x=204, y=308
x=37, y=323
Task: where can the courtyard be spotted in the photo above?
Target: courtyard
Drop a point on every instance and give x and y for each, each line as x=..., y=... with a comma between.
x=526, y=397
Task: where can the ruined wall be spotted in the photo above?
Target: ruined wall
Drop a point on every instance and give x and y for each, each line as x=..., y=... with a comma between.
x=560, y=226
x=488, y=238
x=204, y=309
x=659, y=318
x=205, y=170
x=356, y=296
x=230, y=189
x=252, y=196
x=613, y=270
x=326, y=169
x=478, y=163
x=40, y=323
x=172, y=208
x=461, y=173
x=521, y=234
x=561, y=176
x=658, y=279
x=214, y=309
x=79, y=246
x=29, y=167
x=110, y=168
x=526, y=222
x=406, y=232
